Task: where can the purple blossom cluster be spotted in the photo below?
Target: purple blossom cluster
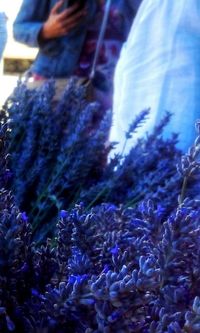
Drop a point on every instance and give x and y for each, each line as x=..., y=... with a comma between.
x=129, y=265
x=56, y=148
x=108, y=270
x=59, y=157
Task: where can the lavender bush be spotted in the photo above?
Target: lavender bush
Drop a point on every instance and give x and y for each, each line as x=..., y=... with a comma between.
x=109, y=268
x=59, y=152
x=57, y=149
x=148, y=171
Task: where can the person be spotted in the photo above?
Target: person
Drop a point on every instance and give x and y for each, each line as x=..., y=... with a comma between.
x=3, y=32
x=58, y=32
x=67, y=37
x=159, y=67
x=120, y=18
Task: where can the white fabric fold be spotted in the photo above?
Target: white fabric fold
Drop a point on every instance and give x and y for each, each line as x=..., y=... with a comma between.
x=159, y=67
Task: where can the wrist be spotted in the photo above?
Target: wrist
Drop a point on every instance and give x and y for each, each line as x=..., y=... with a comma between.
x=44, y=35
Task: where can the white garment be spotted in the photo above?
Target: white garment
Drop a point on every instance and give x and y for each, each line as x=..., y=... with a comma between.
x=159, y=67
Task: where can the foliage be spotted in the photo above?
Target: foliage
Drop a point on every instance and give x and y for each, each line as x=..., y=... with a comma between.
x=110, y=268
x=5, y=174
x=148, y=171
x=59, y=152
x=57, y=149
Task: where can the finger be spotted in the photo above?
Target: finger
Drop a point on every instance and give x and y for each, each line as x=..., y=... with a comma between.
x=70, y=26
x=69, y=11
x=73, y=19
x=57, y=6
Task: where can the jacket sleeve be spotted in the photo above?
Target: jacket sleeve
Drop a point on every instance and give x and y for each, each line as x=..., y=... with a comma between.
x=29, y=21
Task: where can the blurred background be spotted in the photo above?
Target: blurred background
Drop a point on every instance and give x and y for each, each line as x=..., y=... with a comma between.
x=17, y=57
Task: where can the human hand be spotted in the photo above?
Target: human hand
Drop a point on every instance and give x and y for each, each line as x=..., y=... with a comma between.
x=60, y=23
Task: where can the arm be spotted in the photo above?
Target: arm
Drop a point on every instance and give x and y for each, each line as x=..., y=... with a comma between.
x=3, y=33
x=29, y=21
x=37, y=25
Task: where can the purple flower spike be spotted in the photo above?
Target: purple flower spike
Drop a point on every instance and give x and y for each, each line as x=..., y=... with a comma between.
x=24, y=217
x=63, y=214
x=115, y=250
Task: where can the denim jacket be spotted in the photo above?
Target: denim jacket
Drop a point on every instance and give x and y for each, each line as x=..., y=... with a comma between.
x=59, y=57
x=56, y=57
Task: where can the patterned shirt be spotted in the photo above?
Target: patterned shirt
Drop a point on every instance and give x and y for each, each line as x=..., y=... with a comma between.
x=114, y=37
